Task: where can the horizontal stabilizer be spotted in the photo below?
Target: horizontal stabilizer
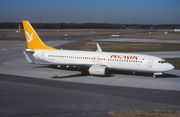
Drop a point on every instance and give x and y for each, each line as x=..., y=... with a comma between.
x=27, y=57
x=32, y=60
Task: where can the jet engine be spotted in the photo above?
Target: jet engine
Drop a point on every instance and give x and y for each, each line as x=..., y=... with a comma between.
x=101, y=70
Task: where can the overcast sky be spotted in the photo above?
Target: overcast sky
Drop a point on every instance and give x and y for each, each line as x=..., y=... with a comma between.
x=91, y=11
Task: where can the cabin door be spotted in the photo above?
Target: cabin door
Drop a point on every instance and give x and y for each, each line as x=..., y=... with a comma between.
x=150, y=62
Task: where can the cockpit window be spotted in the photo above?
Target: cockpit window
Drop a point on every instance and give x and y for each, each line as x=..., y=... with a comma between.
x=162, y=61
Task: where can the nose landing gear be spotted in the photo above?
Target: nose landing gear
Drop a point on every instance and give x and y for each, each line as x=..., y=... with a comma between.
x=157, y=74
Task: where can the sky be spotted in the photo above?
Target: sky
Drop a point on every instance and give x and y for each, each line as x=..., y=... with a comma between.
x=91, y=11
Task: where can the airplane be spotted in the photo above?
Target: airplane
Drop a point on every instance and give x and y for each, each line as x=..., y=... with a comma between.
x=96, y=63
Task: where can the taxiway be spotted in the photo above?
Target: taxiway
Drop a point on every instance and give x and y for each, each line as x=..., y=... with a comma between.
x=32, y=90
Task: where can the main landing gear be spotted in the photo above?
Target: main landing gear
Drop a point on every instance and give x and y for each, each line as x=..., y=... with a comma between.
x=84, y=72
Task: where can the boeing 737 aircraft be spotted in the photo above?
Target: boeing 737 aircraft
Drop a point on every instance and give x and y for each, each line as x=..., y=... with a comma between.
x=92, y=62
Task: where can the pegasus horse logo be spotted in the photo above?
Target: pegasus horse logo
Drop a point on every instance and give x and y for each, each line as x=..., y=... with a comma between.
x=29, y=37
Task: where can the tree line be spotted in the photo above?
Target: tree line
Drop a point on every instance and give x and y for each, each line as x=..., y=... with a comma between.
x=13, y=25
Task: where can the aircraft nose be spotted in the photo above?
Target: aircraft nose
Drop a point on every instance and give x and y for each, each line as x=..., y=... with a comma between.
x=169, y=67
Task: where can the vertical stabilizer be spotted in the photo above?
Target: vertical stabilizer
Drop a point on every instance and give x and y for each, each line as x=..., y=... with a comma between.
x=32, y=39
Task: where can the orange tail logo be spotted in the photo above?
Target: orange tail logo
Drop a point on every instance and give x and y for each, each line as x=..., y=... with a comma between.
x=32, y=39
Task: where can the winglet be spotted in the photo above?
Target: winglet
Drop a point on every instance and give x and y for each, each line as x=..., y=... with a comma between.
x=32, y=39
x=98, y=47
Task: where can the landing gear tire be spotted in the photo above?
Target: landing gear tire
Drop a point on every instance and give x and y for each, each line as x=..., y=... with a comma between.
x=154, y=76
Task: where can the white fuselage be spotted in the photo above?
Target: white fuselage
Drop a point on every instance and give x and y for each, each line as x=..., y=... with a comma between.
x=120, y=61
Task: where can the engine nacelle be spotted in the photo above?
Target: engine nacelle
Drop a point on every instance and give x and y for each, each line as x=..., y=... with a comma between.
x=98, y=70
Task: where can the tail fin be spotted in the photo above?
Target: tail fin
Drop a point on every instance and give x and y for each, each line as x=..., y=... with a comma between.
x=32, y=39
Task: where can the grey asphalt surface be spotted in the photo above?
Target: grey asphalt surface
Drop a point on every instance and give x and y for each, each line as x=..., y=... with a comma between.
x=27, y=97
x=29, y=90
